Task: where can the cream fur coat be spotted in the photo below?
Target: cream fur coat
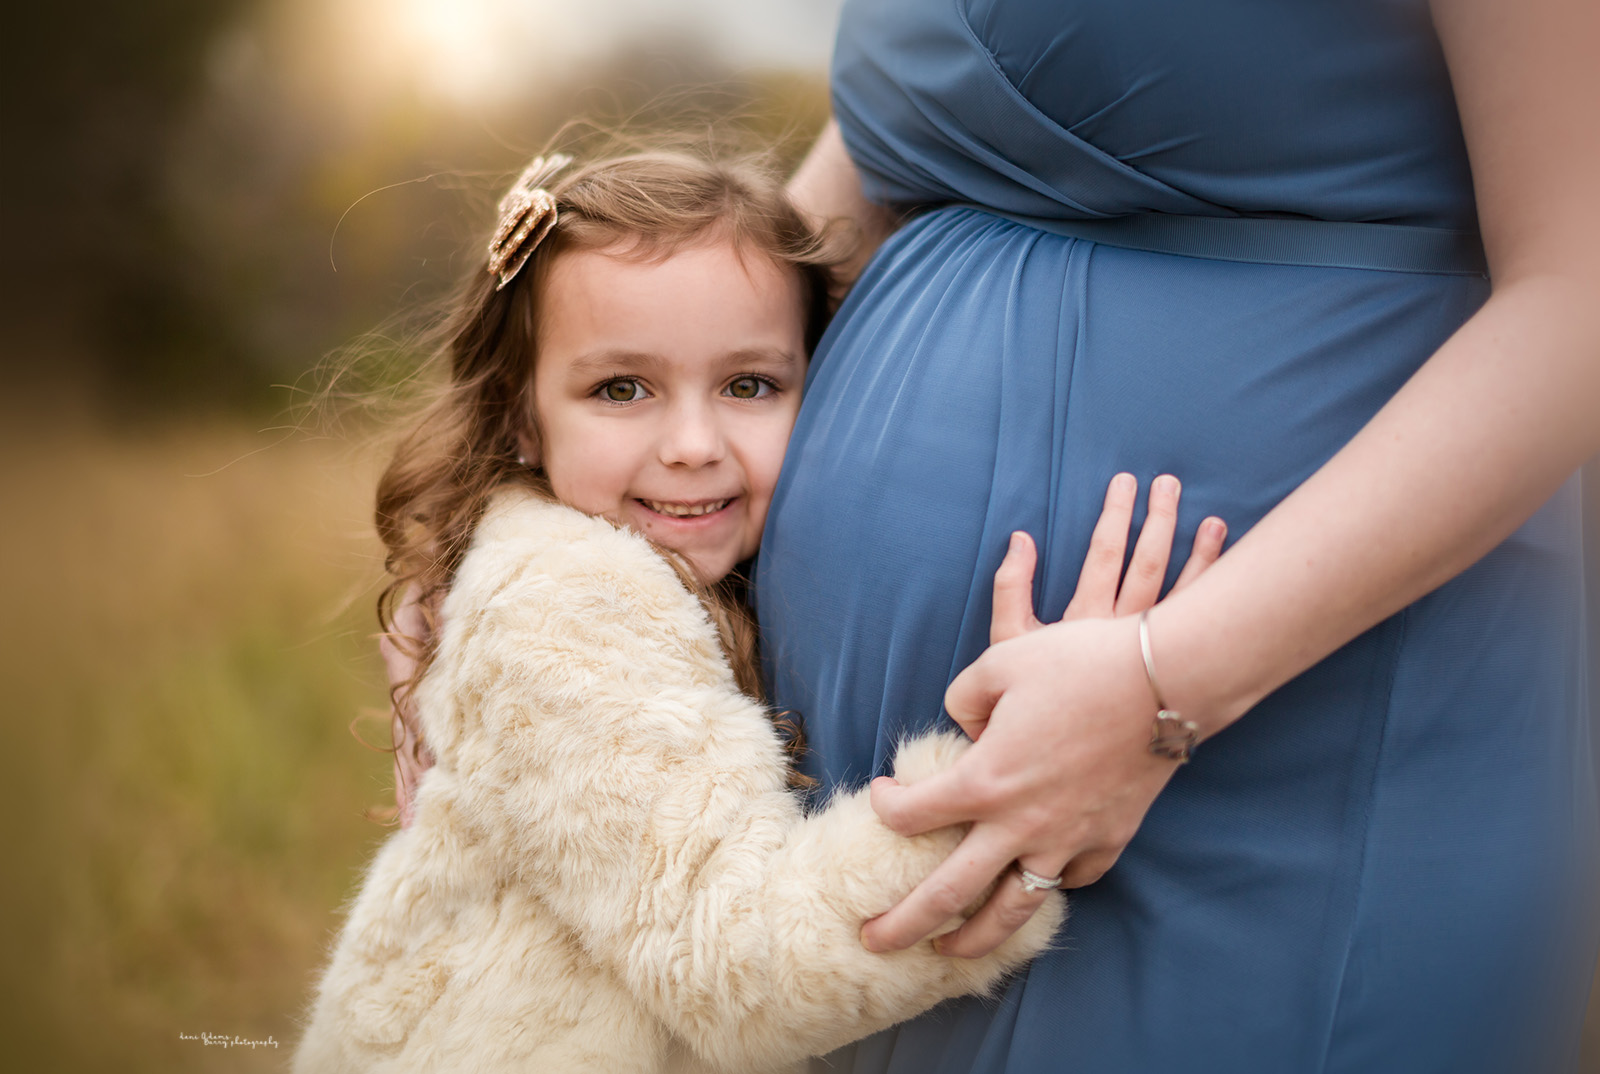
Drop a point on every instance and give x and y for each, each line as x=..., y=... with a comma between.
x=605, y=871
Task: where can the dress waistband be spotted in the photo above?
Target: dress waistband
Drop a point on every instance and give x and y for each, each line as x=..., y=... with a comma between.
x=1276, y=240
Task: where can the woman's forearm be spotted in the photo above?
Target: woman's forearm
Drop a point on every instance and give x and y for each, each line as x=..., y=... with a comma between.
x=827, y=188
x=1481, y=436
x=1061, y=777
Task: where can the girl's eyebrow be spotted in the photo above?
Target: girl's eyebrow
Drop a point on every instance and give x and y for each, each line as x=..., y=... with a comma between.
x=610, y=361
x=607, y=361
x=762, y=356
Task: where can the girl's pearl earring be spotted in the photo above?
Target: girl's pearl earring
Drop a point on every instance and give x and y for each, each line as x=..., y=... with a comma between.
x=522, y=460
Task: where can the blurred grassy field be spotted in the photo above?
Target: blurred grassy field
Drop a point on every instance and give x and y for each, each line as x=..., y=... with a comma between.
x=188, y=639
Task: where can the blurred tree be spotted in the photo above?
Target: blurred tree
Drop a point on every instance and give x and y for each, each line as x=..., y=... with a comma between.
x=93, y=94
x=184, y=176
x=316, y=215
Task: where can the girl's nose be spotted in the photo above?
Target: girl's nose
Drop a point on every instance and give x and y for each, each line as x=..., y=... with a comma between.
x=693, y=437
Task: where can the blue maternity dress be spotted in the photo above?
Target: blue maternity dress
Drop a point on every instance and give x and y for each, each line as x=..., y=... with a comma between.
x=1211, y=239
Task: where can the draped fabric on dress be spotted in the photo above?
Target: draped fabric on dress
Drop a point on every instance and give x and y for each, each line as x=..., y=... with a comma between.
x=1375, y=869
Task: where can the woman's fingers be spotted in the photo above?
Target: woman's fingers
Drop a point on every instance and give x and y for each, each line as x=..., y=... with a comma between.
x=408, y=629
x=971, y=695
x=924, y=806
x=1089, y=867
x=409, y=618
x=1013, y=591
x=1008, y=909
x=1148, y=567
x=398, y=664
x=1104, y=589
x=943, y=894
x=411, y=755
x=1207, y=550
x=406, y=772
x=1096, y=595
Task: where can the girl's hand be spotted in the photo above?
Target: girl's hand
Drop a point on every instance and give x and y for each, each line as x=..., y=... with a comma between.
x=411, y=755
x=1062, y=775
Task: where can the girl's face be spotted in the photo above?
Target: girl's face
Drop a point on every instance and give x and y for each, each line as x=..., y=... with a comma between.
x=665, y=391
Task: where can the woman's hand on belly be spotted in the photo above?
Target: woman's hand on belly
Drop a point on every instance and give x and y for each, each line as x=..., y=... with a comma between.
x=1062, y=774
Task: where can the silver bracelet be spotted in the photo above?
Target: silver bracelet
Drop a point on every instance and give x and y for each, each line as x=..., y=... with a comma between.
x=1172, y=736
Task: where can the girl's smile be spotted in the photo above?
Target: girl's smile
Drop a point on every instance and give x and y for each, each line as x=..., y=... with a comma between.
x=684, y=517
x=685, y=511
x=664, y=392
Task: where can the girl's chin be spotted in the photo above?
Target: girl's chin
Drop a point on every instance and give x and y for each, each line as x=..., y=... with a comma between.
x=710, y=566
x=712, y=543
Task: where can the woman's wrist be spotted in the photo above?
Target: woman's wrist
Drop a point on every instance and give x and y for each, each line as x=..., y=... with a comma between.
x=1198, y=678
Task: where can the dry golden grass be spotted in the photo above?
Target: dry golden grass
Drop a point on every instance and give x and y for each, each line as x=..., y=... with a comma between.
x=188, y=640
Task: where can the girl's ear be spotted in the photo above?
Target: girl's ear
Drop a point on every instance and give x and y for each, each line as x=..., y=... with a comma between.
x=528, y=448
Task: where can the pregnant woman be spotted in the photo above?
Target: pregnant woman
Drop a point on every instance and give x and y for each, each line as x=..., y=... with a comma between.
x=1238, y=242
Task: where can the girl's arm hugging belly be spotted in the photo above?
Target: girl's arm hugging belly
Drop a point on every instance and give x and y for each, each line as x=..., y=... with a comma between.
x=609, y=816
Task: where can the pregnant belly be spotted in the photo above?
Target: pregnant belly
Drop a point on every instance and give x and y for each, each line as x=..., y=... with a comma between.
x=985, y=377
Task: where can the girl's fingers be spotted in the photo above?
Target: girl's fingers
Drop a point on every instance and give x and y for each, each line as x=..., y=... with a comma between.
x=1096, y=595
x=943, y=894
x=1008, y=909
x=1207, y=549
x=1013, y=591
x=1148, y=568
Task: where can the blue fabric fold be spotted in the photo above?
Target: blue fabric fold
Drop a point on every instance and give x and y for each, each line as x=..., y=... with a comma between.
x=1210, y=240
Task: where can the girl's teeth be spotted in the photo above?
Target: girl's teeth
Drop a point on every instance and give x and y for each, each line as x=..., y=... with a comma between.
x=680, y=510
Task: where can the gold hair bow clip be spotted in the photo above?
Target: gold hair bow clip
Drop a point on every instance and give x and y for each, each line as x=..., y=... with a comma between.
x=527, y=213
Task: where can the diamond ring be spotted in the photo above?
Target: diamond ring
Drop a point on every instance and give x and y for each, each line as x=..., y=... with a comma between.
x=1032, y=881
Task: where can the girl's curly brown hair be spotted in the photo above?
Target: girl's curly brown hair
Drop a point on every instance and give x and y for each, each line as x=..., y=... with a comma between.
x=464, y=444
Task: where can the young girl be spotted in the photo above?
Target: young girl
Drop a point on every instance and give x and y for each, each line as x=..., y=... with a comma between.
x=606, y=870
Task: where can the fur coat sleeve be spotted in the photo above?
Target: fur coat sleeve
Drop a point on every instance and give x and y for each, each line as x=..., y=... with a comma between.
x=595, y=759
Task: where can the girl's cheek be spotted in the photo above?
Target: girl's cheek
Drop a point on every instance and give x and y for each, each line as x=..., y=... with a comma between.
x=779, y=451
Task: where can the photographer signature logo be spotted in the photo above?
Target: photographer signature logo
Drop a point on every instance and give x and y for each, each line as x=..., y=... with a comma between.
x=222, y=1040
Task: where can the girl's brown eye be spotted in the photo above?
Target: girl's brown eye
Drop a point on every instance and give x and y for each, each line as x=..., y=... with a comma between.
x=745, y=388
x=622, y=391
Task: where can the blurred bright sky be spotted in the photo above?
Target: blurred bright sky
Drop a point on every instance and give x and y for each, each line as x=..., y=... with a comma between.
x=473, y=51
